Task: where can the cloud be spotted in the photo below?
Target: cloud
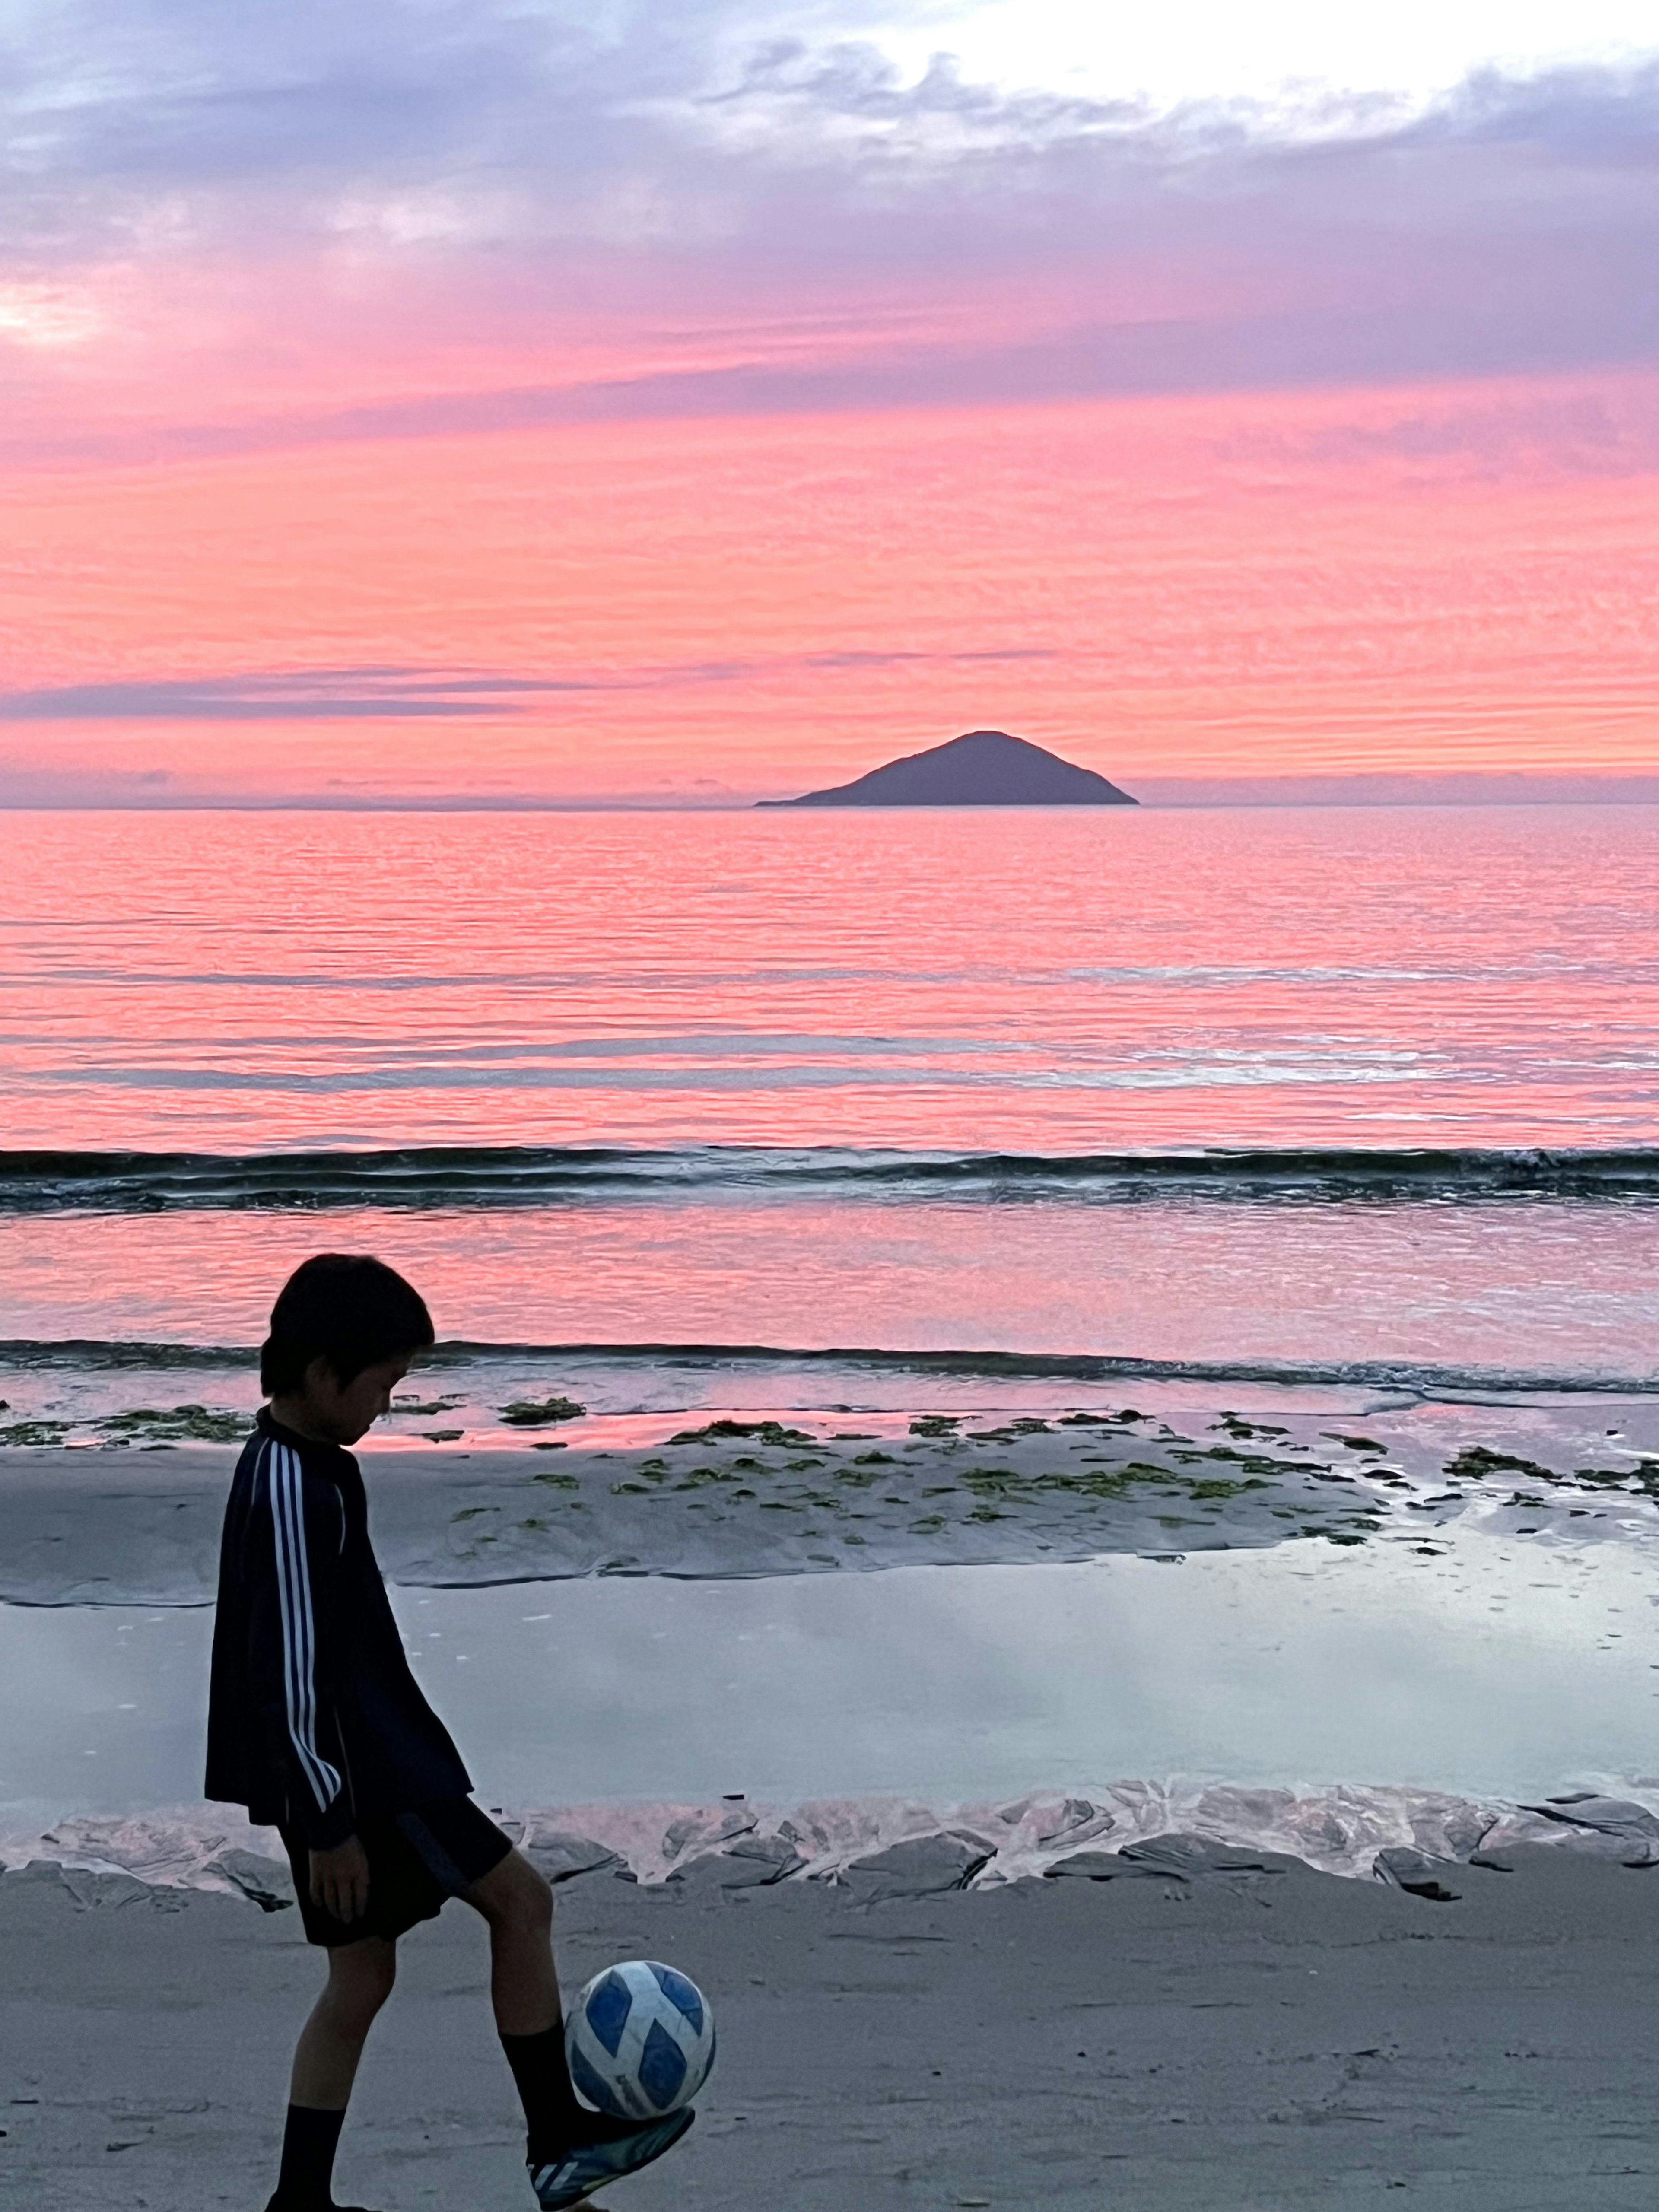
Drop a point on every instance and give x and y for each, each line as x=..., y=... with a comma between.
x=247, y=228
x=287, y=695
x=1522, y=434
x=399, y=693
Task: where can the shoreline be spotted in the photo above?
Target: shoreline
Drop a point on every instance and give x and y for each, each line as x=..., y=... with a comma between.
x=897, y=1846
x=137, y=1522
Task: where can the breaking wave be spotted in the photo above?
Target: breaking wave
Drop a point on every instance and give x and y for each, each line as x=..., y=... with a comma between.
x=447, y=1177
x=1423, y=1379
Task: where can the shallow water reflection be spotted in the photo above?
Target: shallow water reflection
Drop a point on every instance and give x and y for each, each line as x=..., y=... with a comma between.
x=1504, y=1667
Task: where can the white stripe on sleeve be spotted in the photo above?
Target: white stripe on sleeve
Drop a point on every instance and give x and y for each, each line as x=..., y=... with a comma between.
x=284, y=1486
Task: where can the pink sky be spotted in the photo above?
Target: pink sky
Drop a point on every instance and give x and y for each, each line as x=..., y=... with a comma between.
x=359, y=448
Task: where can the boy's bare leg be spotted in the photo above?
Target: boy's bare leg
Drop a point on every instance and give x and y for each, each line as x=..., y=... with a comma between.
x=518, y=1906
x=572, y=2151
x=360, y=1979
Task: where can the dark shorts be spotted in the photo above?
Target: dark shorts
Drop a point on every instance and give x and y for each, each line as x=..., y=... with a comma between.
x=416, y=1859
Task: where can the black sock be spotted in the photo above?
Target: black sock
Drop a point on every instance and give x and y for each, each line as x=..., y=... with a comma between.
x=309, y=2141
x=556, y=2121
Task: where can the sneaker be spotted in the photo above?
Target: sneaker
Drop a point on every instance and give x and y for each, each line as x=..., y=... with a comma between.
x=578, y=2173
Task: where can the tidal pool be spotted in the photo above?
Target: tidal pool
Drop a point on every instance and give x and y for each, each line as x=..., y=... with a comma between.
x=1504, y=1666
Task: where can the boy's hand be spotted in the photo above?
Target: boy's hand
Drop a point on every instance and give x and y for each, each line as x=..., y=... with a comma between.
x=339, y=1879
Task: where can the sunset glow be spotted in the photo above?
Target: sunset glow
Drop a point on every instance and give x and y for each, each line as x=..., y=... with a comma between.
x=487, y=409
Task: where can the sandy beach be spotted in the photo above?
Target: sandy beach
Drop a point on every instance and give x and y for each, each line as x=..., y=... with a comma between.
x=1176, y=1998
x=1236, y=2042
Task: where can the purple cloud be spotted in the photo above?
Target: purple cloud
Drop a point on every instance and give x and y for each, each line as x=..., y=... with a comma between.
x=679, y=168
x=399, y=692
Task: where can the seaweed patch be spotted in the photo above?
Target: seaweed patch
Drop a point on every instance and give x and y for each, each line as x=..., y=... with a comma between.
x=764, y=1432
x=540, y=1412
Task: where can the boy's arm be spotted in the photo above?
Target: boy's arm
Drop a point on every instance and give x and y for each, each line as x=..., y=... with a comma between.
x=293, y=1641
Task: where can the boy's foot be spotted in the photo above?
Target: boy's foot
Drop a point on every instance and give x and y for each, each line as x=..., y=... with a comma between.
x=573, y=2177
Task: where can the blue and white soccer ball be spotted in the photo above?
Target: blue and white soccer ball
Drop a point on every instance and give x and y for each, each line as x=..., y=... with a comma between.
x=639, y=2041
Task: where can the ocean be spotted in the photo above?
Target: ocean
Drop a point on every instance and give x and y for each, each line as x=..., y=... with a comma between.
x=1298, y=1092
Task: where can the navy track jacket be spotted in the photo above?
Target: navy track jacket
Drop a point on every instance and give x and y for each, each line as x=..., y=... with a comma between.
x=314, y=1719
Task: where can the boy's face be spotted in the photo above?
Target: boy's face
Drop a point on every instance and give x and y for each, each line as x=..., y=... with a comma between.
x=340, y=1412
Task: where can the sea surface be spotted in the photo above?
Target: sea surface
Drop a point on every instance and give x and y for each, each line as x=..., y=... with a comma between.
x=1301, y=1094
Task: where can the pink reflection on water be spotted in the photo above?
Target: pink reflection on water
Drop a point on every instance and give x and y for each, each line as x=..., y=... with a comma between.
x=1043, y=981
x=1515, y=1285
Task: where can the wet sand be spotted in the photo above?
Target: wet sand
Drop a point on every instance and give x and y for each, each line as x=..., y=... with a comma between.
x=1237, y=2043
x=801, y=1494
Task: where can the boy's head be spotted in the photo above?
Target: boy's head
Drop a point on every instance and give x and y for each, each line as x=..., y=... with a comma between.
x=343, y=1333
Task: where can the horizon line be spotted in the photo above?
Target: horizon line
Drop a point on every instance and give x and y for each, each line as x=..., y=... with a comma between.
x=1209, y=794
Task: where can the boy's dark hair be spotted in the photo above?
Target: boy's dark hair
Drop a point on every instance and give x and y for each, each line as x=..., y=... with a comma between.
x=346, y=1308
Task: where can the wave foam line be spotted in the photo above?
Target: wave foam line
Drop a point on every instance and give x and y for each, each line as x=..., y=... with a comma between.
x=427, y=1176
x=1415, y=1378
x=1338, y=1830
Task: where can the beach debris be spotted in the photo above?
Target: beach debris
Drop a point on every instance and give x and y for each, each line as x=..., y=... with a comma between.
x=1093, y=1866
x=921, y=1866
x=1420, y=1873
x=1079, y=1821
x=1175, y=1858
x=266, y=1883
x=1457, y=1831
x=91, y=1890
x=1188, y=1857
x=1613, y=1816
x=706, y=1830
x=559, y=1856
x=1627, y=1824
x=541, y=1412
x=750, y=1862
x=1176, y=1833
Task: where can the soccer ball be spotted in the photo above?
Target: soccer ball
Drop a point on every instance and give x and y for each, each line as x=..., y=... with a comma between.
x=639, y=2041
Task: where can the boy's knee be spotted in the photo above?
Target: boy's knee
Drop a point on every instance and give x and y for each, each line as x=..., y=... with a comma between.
x=515, y=1896
x=534, y=1900
x=361, y=1981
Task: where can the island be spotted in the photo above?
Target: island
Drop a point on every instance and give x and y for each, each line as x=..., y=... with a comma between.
x=984, y=768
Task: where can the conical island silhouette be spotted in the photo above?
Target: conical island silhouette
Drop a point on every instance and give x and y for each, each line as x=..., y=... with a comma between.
x=986, y=768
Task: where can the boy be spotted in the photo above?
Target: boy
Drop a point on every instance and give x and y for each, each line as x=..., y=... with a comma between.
x=316, y=1724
